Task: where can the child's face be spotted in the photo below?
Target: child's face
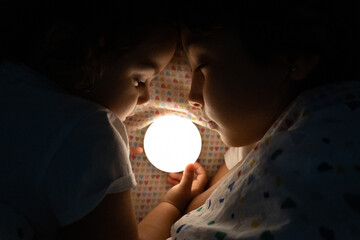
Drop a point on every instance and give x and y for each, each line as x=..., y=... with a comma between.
x=126, y=83
x=239, y=96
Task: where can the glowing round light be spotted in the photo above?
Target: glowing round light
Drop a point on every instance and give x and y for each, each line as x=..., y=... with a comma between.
x=172, y=142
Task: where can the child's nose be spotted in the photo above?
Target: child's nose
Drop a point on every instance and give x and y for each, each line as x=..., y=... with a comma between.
x=144, y=96
x=195, y=97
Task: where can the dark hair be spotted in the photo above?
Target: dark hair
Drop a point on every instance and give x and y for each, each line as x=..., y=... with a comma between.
x=292, y=28
x=75, y=39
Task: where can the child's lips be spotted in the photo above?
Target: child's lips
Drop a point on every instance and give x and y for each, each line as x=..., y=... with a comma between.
x=211, y=124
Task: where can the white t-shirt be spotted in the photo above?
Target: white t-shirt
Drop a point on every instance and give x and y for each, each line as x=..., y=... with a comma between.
x=59, y=154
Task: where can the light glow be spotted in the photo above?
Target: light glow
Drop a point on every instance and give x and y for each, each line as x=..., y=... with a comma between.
x=172, y=142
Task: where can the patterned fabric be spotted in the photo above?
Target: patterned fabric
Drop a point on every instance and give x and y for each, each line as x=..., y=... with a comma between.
x=300, y=182
x=168, y=96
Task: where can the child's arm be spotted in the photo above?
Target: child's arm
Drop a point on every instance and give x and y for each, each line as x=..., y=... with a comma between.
x=174, y=179
x=157, y=224
x=240, y=153
x=114, y=217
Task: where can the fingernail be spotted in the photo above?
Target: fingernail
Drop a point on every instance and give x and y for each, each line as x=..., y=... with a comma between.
x=191, y=167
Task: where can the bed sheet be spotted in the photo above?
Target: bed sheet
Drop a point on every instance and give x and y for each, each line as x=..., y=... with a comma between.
x=168, y=96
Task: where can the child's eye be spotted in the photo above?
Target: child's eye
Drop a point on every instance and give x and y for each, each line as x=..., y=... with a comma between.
x=139, y=82
x=199, y=67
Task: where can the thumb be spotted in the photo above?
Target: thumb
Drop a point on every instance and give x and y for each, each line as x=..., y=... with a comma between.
x=188, y=176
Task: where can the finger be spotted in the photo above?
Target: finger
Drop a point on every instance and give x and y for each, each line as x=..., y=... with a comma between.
x=188, y=176
x=176, y=176
x=136, y=150
x=199, y=169
x=199, y=184
x=201, y=178
x=172, y=181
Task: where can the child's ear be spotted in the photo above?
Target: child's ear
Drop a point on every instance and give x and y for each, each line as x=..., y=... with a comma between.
x=302, y=67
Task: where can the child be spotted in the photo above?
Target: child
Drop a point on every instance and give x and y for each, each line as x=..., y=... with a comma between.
x=281, y=74
x=69, y=78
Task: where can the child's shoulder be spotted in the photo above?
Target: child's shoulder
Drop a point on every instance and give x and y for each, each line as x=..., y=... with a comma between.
x=25, y=94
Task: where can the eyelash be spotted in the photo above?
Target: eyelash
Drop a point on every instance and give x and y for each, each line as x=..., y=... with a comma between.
x=198, y=68
x=139, y=82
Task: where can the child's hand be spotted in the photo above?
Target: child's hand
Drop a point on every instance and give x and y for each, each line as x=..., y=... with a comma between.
x=175, y=178
x=187, y=185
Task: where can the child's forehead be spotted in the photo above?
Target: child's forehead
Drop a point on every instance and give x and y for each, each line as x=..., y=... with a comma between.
x=192, y=40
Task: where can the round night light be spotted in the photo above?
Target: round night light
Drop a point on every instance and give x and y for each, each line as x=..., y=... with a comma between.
x=172, y=142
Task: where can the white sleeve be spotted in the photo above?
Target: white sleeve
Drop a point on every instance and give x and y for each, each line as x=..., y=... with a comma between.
x=92, y=161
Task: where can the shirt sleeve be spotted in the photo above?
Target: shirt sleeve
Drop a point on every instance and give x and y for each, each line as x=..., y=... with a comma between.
x=92, y=161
